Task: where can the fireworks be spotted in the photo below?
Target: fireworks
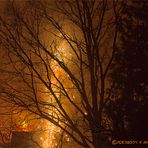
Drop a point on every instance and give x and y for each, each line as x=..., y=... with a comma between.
x=48, y=138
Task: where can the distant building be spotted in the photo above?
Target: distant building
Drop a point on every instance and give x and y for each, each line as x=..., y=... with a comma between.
x=23, y=139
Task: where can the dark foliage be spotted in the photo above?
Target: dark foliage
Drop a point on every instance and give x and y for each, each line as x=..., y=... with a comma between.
x=128, y=108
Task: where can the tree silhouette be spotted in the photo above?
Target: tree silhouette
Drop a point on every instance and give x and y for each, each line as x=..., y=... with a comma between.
x=59, y=55
x=128, y=108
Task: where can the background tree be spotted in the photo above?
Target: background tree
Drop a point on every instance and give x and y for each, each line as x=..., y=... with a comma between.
x=128, y=109
x=59, y=55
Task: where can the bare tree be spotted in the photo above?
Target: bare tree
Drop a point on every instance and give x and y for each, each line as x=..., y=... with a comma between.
x=59, y=54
